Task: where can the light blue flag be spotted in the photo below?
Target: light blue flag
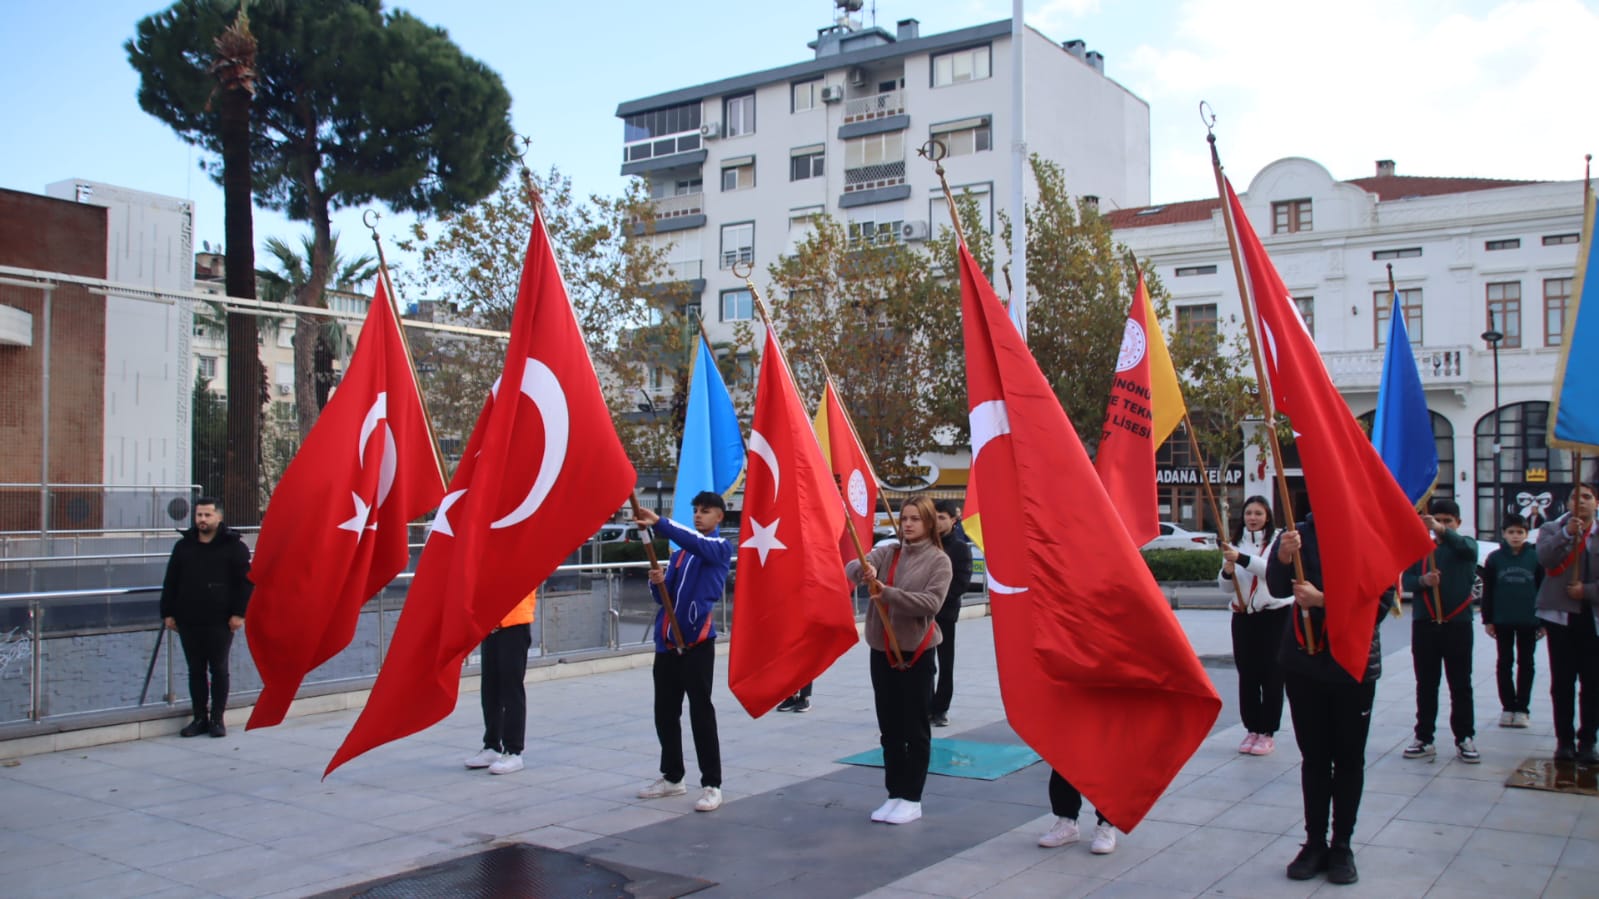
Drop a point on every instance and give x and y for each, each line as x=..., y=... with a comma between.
x=713, y=449
x=1402, y=427
x=1575, y=413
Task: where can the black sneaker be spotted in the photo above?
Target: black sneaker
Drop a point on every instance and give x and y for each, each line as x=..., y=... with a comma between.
x=788, y=704
x=218, y=729
x=195, y=728
x=1341, y=865
x=939, y=719
x=801, y=705
x=1586, y=754
x=1311, y=860
x=1565, y=752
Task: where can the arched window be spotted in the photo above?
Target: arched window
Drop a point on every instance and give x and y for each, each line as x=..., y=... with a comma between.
x=1527, y=477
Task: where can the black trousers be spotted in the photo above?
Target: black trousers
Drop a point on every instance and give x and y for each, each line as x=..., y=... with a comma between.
x=1331, y=722
x=206, y=648
x=1574, y=657
x=944, y=691
x=504, y=696
x=690, y=675
x=1516, y=665
x=1257, y=637
x=1443, y=650
x=907, y=737
x=1065, y=801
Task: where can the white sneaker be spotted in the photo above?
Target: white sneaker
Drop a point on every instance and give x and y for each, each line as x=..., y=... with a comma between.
x=661, y=789
x=884, y=810
x=1065, y=831
x=906, y=812
x=510, y=763
x=483, y=759
x=1522, y=720
x=1104, y=840
x=710, y=800
x=1507, y=719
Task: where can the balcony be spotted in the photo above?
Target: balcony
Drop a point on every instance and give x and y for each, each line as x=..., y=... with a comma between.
x=683, y=204
x=875, y=106
x=1440, y=368
x=871, y=177
x=688, y=270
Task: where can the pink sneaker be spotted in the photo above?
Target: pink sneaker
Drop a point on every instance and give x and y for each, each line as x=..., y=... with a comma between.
x=1248, y=746
x=1265, y=744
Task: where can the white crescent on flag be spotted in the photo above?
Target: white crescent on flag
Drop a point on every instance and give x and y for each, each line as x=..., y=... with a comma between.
x=760, y=447
x=989, y=420
x=540, y=385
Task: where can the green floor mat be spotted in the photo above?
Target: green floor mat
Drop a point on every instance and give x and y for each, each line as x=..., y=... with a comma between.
x=962, y=758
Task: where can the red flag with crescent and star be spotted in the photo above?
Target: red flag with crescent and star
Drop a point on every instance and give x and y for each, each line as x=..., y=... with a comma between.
x=1096, y=675
x=543, y=470
x=335, y=531
x=852, y=473
x=792, y=614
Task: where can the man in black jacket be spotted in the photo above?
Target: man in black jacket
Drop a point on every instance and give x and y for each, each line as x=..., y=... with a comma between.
x=203, y=598
x=959, y=551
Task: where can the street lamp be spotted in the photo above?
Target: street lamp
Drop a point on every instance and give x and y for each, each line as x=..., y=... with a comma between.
x=1494, y=336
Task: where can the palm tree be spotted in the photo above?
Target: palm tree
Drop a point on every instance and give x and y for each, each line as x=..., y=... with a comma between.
x=291, y=276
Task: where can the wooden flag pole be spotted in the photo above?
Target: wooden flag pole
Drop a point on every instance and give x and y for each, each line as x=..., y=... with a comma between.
x=1246, y=300
x=672, y=628
x=1210, y=496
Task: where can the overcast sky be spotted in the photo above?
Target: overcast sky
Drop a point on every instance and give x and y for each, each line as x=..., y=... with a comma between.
x=1466, y=88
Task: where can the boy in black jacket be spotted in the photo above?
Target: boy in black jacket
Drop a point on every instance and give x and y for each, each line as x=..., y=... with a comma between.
x=203, y=598
x=1441, y=632
x=1510, y=579
x=959, y=551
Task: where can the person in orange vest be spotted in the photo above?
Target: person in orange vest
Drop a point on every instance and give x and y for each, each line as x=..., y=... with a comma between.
x=504, y=652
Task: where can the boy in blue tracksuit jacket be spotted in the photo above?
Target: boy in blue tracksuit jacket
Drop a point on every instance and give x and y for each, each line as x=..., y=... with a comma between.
x=695, y=579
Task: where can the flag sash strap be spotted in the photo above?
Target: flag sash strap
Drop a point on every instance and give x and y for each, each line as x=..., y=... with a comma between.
x=1576, y=551
x=927, y=638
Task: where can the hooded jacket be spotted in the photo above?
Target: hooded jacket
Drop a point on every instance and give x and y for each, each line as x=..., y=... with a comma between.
x=207, y=583
x=696, y=575
x=913, y=594
x=1557, y=549
x=1321, y=666
x=1456, y=562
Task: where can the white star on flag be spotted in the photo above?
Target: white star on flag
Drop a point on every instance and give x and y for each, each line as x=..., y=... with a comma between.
x=764, y=540
x=358, y=521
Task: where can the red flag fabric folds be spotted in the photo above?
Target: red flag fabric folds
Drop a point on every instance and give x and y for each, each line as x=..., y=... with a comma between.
x=1125, y=460
x=1096, y=674
x=852, y=472
x=1350, y=488
x=541, y=472
x=335, y=531
x=792, y=615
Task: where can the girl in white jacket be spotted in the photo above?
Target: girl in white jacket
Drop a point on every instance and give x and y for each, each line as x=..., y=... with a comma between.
x=1258, y=622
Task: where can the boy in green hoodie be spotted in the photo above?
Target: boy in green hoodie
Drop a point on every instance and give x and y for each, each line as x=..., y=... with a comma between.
x=1440, y=634
x=1510, y=579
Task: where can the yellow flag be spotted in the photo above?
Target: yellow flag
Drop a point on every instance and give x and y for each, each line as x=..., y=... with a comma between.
x=1166, y=393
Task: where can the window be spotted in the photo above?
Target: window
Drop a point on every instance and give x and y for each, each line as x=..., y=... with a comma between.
x=738, y=244
x=1199, y=315
x=868, y=231
x=1406, y=253
x=805, y=162
x=1504, y=312
x=965, y=137
x=739, y=173
x=1410, y=301
x=738, y=115
x=283, y=378
x=1188, y=271
x=657, y=377
x=971, y=64
x=1513, y=243
x=661, y=132
x=738, y=305
x=801, y=226
x=1307, y=311
x=806, y=94
x=1555, y=240
x=1556, y=297
x=874, y=149
x=208, y=367
x=938, y=208
x=662, y=188
x=1290, y=216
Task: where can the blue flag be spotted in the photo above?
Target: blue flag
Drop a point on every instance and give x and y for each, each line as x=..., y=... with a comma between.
x=1402, y=427
x=1574, y=417
x=713, y=449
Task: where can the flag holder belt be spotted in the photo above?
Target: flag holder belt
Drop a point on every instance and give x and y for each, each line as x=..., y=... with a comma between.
x=1432, y=613
x=927, y=638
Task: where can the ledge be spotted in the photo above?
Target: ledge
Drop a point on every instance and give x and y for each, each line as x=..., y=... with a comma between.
x=873, y=196
x=874, y=126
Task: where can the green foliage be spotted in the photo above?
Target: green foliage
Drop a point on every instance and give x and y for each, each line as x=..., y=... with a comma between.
x=210, y=448
x=280, y=440
x=1183, y=564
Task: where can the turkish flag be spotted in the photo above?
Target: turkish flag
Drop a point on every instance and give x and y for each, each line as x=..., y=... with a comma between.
x=542, y=471
x=792, y=615
x=1348, y=483
x=335, y=531
x=1096, y=674
x=852, y=472
x=1125, y=460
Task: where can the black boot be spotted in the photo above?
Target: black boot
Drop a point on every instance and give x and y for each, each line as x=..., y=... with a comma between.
x=1565, y=752
x=218, y=729
x=1341, y=865
x=195, y=728
x=1586, y=754
x=1311, y=860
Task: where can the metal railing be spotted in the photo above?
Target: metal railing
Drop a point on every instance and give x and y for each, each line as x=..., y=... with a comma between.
x=43, y=509
x=682, y=204
x=876, y=106
x=869, y=177
x=687, y=270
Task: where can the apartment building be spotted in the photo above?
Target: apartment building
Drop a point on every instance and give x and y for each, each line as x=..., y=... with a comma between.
x=1470, y=256
x=739, y=169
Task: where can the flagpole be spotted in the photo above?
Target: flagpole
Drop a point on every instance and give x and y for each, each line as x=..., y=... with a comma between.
x=1246, y=301
x=870, y=468
x=410, y=361
x=668, y=611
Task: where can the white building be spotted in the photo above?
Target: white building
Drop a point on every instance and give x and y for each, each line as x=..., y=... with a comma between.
x=1461, y=249
x=739, y=167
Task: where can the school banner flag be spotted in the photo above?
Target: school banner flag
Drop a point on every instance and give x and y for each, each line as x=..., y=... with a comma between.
x=1401, y=429
x=852, y=472
x=1575, y=412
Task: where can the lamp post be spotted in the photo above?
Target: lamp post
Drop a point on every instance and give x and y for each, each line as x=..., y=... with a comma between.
x=1494, y=336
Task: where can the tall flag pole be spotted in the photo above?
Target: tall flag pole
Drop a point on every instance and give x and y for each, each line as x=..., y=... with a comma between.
x=1099, y=648
x=1018, y=169
x=1348, y=484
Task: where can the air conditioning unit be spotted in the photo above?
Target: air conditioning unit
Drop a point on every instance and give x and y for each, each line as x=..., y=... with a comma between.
x=285, y=389
x=857, y=76
x=833, y=93
x=913, y=231
x=711, y=130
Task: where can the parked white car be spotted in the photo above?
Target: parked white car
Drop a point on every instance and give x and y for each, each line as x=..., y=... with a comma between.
x=1174, y=537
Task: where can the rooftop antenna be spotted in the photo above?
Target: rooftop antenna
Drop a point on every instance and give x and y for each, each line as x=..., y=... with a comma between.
x=849, y=13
